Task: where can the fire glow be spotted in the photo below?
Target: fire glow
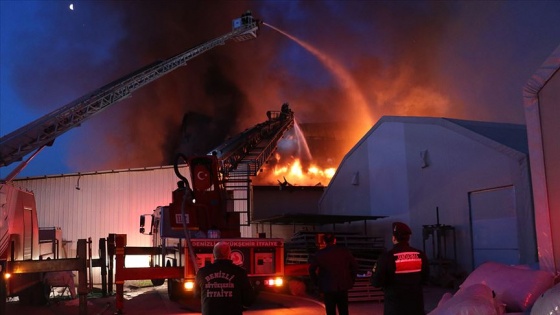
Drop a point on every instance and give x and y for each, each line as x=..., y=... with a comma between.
x=293, y=164
x=293, y=173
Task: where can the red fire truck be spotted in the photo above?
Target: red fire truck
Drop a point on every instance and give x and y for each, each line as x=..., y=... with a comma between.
x=185, y=231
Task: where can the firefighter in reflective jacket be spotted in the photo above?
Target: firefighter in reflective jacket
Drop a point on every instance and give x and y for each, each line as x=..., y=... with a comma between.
x=401, y=272
x=224, y=288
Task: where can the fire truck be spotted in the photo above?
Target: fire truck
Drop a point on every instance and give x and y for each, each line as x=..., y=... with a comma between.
x=21, y=263
x=215, y=208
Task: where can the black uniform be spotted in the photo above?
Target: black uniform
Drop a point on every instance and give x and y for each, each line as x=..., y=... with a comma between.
x=401, y=272
x=224, y=288
x=334, y=269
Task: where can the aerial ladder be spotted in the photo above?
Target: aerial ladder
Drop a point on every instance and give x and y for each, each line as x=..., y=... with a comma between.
x=255, y=145
x=221, y=180
x=43, y=131
x=212, y=205
x=243, y=156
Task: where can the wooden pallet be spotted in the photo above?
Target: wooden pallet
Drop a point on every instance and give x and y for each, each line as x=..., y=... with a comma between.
x=364, y=291
x=296, y=257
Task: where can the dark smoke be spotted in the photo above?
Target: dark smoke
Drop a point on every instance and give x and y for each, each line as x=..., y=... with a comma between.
x=204, y=87
x=464, y=60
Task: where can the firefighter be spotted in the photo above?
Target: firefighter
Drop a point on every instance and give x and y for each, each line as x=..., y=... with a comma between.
x=401, y=272
x=224, y=288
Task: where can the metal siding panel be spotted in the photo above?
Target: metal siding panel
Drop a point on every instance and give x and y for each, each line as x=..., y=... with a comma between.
x=106, y=203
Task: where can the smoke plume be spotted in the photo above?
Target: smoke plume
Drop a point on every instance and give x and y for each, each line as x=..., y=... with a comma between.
x=404, y=58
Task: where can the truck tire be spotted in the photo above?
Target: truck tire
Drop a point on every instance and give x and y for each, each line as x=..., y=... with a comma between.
x=172, y=288
x=157, y=282
x=34, y=295
x=297, y=287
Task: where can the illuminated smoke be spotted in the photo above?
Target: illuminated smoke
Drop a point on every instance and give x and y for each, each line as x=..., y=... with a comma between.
x=464, y=60
x=356, y=100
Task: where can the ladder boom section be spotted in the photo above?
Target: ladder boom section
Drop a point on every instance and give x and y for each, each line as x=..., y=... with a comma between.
x=255, y=145
x=43, y=131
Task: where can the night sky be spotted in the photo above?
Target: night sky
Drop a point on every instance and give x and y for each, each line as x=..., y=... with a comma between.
x=360, y=60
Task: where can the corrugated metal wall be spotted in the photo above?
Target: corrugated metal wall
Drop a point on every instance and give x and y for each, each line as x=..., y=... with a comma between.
x=106, y=202
x=93, y=205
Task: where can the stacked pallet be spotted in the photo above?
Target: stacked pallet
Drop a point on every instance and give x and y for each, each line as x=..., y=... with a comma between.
x=366, y=250
x=300, y=247
x=363, y=291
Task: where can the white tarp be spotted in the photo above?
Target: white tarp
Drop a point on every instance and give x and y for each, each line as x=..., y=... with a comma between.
x=542, y=113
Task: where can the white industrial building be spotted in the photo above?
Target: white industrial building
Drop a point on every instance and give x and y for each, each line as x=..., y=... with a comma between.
x=93, y=205
x=470, y=177
x=496, y=186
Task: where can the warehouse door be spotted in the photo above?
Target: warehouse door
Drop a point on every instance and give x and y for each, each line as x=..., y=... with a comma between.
x=494, y=226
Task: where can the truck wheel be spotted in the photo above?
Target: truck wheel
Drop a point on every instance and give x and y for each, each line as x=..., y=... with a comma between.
x=172, y=290
x=34, y=295
x=25, y=297
x=297, y=287
x=157, y=282
x=171, y=286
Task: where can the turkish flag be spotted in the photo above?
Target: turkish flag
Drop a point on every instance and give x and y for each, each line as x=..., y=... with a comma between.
x=201, y=177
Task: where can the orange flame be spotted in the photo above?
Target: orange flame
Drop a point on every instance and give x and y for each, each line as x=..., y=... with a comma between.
x=295, y=174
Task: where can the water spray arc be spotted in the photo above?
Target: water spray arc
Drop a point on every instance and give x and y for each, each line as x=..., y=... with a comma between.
x=343, y=77
x=302, y=142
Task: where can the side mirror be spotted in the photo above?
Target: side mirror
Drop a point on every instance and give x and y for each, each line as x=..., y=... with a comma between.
x=142, y=223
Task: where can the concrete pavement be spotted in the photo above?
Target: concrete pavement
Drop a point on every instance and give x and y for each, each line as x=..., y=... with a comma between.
x=154, y=300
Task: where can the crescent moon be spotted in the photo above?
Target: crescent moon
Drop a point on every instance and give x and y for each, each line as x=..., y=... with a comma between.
x=201, y=175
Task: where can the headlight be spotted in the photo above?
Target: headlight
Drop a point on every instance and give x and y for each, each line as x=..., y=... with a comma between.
x=189, y=285
x=274, y=282
x=278, y=282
